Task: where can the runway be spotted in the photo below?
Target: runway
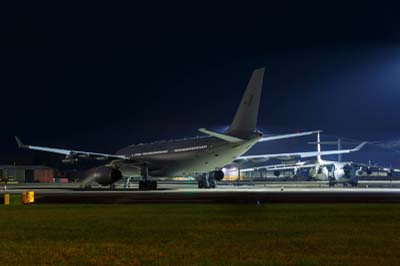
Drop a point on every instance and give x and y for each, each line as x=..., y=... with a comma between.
x=187, y=193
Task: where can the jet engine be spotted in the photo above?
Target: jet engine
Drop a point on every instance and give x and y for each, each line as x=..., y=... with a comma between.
x=218, y=175
x=104, y=175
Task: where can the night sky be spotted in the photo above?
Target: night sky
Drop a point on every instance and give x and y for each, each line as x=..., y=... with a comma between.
x=99, y=77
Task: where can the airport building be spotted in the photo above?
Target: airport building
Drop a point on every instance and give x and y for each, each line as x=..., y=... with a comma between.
x=29, y=174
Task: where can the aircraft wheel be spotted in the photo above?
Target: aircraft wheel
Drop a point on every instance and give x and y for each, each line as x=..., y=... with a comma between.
x=148, y=185
x=152, y=185
x=200, y=184
x=212, y=184
x=141, y=185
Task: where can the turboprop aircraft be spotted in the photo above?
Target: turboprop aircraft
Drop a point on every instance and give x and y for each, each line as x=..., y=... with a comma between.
x=332, y=171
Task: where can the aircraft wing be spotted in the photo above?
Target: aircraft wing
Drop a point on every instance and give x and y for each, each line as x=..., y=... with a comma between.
x=286, y=136
x=72, y=153
x=282, y=167
x=296, y=155
x=279, y=167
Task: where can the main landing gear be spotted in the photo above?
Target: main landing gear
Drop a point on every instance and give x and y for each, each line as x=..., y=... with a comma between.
x=206, y=181
x=145, y=183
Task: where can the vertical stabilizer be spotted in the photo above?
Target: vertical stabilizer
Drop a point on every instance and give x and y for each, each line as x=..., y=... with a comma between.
x=318, y=147
x=245, y=120
x=339, y=147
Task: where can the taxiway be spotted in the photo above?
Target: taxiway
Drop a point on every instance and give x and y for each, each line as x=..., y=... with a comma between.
x=229, y=194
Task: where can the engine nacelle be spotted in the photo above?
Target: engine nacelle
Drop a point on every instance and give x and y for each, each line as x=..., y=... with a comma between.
x=319, y=173
x=70, y=159
x=218, y=175
x=338, y=174
x=343, y=171
x=104, y=175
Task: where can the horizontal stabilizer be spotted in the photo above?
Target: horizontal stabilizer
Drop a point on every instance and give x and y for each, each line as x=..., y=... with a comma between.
x=220, y=135
x=286, y=136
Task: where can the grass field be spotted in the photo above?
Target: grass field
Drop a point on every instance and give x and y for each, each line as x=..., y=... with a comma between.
x=200, y=235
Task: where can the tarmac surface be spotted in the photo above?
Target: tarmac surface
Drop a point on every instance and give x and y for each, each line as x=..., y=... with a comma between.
x=227, y=194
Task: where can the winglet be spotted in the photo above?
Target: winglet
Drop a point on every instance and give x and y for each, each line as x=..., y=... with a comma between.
x=360, y=146
x=20, y=144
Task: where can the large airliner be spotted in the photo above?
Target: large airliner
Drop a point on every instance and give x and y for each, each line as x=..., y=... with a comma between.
x=201, y=157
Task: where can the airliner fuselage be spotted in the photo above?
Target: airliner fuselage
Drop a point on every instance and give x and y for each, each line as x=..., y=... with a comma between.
x=185, y=157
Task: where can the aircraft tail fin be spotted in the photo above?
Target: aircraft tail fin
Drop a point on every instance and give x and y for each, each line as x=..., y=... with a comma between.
x=245, y=120
x=319, y=147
